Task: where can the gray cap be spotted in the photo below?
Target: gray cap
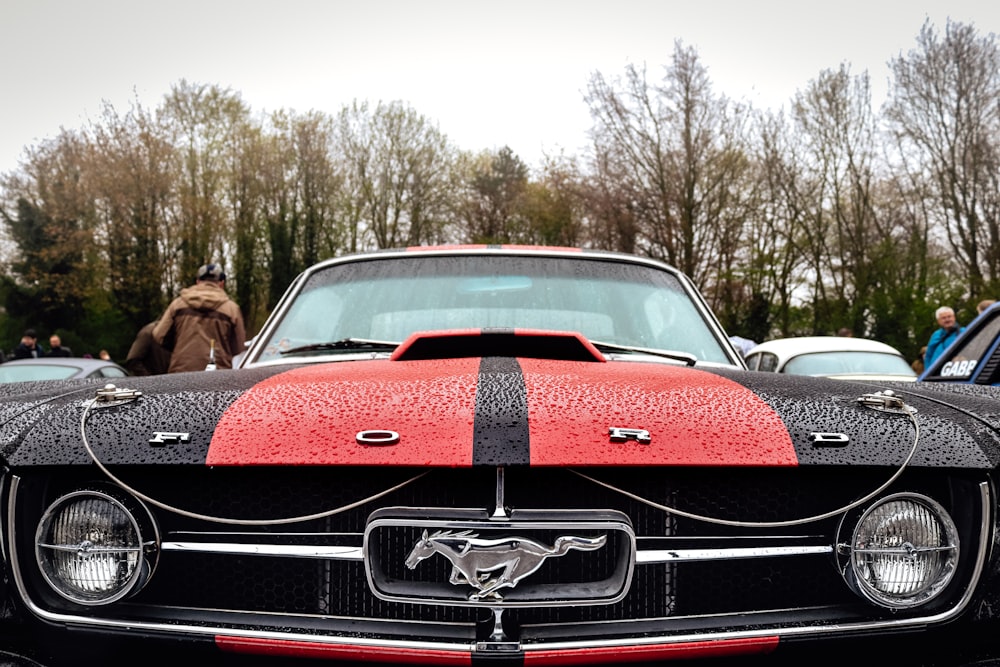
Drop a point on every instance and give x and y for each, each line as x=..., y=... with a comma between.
x=211, y=272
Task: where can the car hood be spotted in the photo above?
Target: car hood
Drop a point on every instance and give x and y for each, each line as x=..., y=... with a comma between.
x=493, y=411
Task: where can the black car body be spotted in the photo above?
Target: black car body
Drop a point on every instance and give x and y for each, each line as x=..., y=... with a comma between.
x=974, y=357
x=520, y=455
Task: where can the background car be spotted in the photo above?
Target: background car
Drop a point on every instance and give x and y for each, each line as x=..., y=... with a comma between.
x=503, y=455
x=838, y=357
x=58, y=368
x=974, y=357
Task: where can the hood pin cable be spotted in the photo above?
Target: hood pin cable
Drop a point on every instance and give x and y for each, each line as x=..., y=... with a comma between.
x=111, y=395
x=886, y=402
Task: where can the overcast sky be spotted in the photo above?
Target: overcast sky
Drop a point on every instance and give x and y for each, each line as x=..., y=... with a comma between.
x=489, y=74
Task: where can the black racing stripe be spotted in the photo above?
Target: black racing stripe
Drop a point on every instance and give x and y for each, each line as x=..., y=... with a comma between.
x=500, y=427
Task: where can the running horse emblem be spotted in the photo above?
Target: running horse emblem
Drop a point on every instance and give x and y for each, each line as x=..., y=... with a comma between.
x=475, y=560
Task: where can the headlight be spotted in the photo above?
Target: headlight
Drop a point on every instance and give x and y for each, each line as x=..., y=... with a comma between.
x=904, y=551
x=89, y=547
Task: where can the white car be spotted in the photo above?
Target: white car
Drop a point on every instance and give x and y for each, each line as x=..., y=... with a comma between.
x=839, y=357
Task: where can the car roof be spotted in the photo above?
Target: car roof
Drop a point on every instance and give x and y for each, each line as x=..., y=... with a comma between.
x=79, y=362
x=786, y=348
x=84, y=366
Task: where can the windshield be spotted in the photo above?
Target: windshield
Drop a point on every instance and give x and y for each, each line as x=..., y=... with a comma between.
x=389, y=299
x=848, y=363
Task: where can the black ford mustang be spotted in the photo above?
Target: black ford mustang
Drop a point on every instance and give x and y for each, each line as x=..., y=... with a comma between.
x=520, y=455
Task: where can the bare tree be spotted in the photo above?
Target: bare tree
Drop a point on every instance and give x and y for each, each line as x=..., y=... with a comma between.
x=678, y=149
x=944, y=111
x=835, y=123
x=131, y=169
x=609, y=210
x=301, y=189
x=775, y=264
x=397, y=174
x=202, y=122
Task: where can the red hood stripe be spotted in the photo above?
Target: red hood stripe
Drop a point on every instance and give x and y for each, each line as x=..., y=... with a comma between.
x=694, y=417
x=432, y=408
x=499, y=411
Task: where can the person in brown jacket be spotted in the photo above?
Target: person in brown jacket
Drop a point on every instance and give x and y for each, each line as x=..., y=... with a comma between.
x=202, y=327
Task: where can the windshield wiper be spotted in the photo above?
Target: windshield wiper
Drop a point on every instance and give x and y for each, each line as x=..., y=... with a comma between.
x=345, y=344
x=687, y=358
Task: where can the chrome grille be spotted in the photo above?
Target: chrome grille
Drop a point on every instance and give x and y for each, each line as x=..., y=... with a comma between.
x=302, y=594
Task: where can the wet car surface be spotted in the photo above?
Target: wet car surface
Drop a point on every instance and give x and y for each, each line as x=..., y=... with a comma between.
x=520, y=455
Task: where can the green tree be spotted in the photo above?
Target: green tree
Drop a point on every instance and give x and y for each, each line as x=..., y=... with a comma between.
x=51, y=226
x=553, y=206
x=496, y=186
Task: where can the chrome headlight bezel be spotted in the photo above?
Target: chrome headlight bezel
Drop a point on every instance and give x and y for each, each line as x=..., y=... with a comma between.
x=903, y=553
x=95, y=547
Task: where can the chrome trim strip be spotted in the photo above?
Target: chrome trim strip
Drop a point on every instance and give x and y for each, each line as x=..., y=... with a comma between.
x=827, y=629
x=643, y=557
x=285, y=550
x=646, y=557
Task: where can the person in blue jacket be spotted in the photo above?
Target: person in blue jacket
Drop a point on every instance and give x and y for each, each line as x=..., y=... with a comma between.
x=944, y=336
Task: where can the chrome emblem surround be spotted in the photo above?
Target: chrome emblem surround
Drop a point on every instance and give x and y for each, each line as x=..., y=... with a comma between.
x=498, y=564
x=474, y=560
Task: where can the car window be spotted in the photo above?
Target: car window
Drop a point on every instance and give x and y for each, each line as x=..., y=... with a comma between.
x=112, y=372
x=29, y=373
x=388, y=300
x=767, y=362
x=840, y=363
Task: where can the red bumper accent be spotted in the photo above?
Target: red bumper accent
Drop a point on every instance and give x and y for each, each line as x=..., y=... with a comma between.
x=656, y=652
x=294, y=649
x=593, y=656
